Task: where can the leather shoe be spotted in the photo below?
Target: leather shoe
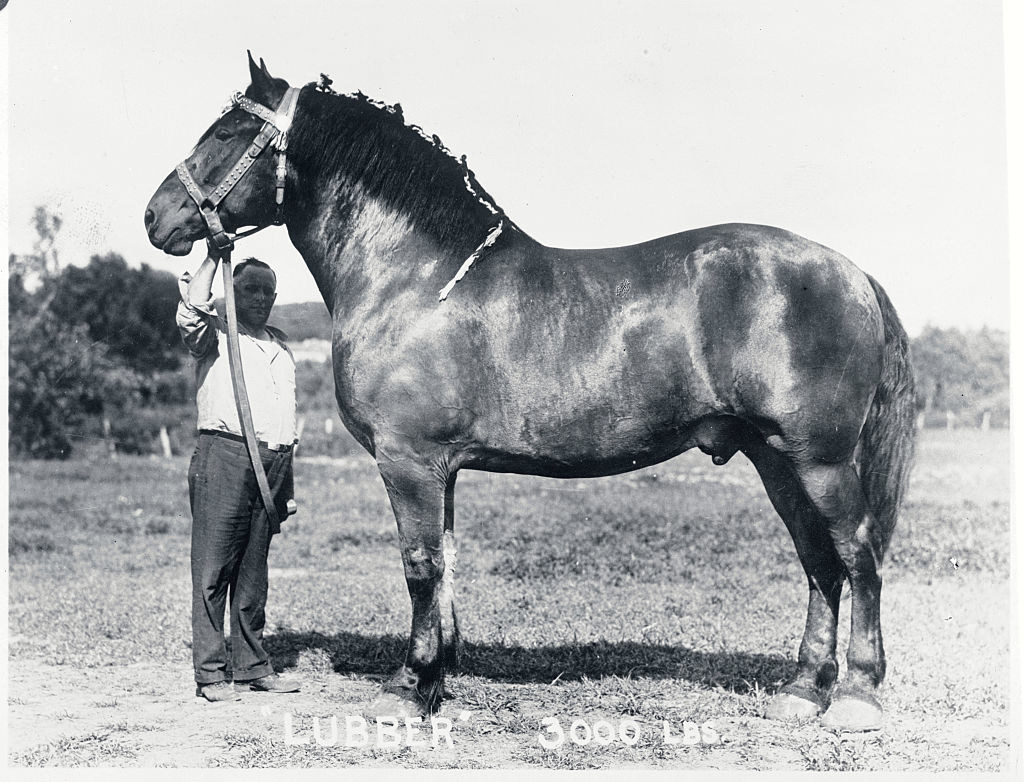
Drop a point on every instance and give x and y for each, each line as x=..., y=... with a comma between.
x=217, y=691
x=269, y=683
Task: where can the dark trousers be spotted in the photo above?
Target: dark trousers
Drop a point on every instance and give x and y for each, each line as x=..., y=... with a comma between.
x=230, y=541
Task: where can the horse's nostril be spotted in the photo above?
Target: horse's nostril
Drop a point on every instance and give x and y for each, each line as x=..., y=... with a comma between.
x=150, y=217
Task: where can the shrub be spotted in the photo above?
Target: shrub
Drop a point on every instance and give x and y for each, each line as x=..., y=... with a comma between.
x=56, y=379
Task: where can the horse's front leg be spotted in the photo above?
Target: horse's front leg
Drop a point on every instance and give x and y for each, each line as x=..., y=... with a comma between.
x=451, y=643
x=417, y=493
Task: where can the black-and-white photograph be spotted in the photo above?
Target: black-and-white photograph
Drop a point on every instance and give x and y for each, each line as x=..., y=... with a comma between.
x=534, y=385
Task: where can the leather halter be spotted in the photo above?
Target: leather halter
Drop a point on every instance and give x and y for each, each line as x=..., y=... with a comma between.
x=275, y=133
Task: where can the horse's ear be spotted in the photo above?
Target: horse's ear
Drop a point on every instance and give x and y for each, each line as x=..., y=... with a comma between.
x=255, y=74
x=264, y=87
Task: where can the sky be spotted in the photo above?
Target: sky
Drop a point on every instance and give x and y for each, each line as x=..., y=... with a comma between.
x=876, y=128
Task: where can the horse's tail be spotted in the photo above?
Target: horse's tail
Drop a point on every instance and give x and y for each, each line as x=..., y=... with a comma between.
x=887, y=439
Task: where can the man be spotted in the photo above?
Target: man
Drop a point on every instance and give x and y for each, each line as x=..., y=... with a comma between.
x=231, y=532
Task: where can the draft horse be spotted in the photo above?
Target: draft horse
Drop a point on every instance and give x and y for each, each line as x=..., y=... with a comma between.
x=459, y=342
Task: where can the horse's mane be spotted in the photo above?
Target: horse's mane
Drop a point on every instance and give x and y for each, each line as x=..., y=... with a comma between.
x=369, y=142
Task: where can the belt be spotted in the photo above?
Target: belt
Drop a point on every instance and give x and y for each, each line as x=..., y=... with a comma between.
x=281, y=447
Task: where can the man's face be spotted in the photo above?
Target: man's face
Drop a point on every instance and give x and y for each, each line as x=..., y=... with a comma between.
x=255, y=291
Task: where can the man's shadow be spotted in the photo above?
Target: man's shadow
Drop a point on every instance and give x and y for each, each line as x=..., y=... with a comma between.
x=379, y=656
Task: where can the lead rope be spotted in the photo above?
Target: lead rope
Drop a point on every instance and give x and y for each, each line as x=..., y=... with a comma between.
x=242, y=397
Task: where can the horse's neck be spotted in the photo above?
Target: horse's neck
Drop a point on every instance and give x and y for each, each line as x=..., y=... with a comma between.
x=362, y=252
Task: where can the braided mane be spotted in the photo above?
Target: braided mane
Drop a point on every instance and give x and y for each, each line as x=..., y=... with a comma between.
x=369, y=143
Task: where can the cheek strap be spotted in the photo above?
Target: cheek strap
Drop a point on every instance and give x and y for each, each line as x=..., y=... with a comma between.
x=274, y=131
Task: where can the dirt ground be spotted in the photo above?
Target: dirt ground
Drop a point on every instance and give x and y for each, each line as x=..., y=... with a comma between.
x=95, y=680
x=144, y=716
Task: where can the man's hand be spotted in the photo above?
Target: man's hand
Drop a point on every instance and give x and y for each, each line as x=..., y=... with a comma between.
x=213, y=253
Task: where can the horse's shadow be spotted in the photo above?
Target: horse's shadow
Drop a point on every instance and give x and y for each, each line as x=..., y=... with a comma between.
x=379, y=656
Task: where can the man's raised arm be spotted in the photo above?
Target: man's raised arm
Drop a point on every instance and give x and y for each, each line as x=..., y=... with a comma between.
x=195, y=310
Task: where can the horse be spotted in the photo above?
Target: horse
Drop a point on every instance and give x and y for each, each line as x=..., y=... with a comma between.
x=461, y=343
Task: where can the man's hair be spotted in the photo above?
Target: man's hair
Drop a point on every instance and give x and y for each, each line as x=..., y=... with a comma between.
x=253, y=262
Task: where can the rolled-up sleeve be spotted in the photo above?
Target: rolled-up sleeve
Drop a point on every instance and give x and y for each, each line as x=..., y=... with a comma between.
x=195, y=319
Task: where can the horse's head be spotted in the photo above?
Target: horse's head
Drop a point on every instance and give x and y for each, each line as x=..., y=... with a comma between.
x=173, y=219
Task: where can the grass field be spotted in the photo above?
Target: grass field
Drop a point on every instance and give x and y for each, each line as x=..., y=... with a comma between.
x=671, y=594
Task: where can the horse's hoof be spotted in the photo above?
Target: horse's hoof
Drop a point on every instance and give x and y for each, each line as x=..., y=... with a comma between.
x=853, y=711
x=390, y=705
x=791, y=706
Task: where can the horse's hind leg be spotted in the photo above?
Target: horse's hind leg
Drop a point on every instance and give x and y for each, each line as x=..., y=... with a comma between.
x=835, y=491
x=806, y=695
x=417, y=494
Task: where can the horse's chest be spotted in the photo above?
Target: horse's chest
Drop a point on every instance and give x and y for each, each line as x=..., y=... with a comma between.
x=355, y=407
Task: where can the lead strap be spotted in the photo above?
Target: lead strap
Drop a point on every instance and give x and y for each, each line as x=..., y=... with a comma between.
x=242, y=397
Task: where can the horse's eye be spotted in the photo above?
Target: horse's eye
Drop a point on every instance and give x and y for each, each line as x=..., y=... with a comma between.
x=223, y=134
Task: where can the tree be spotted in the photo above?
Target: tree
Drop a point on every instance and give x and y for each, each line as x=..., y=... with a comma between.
x=57, y=377
x=18, y=298
x=966, y=373
x=131, y=311
x=43, y=262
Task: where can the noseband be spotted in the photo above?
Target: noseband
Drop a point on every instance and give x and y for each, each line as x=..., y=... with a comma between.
x=275, y=133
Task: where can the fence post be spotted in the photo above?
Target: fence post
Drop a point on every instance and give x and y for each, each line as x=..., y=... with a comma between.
x=165, y=442
x=111, y=447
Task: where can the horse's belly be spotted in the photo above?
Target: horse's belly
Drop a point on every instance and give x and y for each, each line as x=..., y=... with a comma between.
x=566, y=438
x=625, y=394
x=574, y=461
